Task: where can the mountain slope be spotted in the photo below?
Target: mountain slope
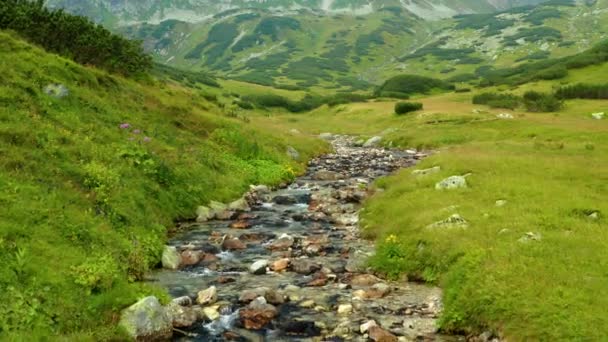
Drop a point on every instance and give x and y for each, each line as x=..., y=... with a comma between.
x=93, y=173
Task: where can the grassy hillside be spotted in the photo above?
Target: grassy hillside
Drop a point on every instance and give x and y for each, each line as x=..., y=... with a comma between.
x=90, y=181
x=551, y=171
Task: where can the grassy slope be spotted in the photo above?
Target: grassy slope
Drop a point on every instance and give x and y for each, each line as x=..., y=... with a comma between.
x=551, y=168
x=85, y=203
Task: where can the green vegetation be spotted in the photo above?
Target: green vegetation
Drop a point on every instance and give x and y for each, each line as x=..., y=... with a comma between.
x=533, y=101
x=220, y=37
x=73, y=37
x=497, y=100
x=407, y=107
x=91, y=180
x=307, y=103
x=583, y=91
x=406, y=85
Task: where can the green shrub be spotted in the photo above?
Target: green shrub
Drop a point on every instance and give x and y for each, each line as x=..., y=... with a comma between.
x=74, y=37
x=496, y=100
x=412, y=84
x=541, y=102
x=407, y=107
x=583, y=91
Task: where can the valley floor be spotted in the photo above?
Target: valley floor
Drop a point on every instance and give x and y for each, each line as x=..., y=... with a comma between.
x=521, y=250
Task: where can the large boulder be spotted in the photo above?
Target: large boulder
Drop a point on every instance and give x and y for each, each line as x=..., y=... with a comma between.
x=181, y=316
x=239, y=205
x=171, y=258
x=147, y=320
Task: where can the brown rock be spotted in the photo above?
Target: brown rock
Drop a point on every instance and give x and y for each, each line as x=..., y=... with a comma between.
x=225, y=280
x=280, y=265
x=365, y=280
x=320, y=280
x=225, y=215
x=190, y=258
x=258, y=314
x=233, y=244
x=231, y=336
x=240, y=225
x=282, y=243
x=378, y=334
x=210, y=258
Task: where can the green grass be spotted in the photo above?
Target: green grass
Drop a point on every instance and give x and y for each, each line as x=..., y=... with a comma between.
x=85, y=204
x=552, y=171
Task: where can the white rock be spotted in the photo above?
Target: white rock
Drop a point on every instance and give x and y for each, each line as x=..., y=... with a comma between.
x=454, y=221
x=598, y=116
x=373, y=142
x=211, y=313
x=258, y=267
x=171, y=259
x=367, y=325
x=208, y=296
x=453, y=182
x=430, y=171
x=345, y=309
x=505, y=116
x=501, y=203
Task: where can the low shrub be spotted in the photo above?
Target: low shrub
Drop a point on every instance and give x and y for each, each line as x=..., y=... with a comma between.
x=407, y=107
x=583, y=91
x=496, y=100
x=541, y=102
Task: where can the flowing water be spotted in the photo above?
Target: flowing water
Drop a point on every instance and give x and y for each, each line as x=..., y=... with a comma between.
x=325, y=291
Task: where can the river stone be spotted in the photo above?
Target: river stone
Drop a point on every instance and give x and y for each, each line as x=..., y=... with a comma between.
x=280, y=265
x=285, y=200
x=171, y=259
x=363, y=328
x=304, y=266
x=147, y=320
x=365, y=280
x=453, y=182
x=249, y=295
x=233, y=244
x=57, y=91
x=345, y=309
x=203, y=214
x=301, y=329
x=293, y=153
x=239, y=205
x=182, y=316
x=426, y=172
x=207, y=296
x=416, y=327
x=258, y=267
x=373, y=142
x=257, y=314
x=274, y=297
x=378, y=334
x=326, y=175
x=183, y=301
x=190, y=258
x=282, y=243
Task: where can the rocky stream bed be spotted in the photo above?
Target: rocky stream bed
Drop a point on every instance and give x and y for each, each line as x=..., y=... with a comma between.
x=289, y=264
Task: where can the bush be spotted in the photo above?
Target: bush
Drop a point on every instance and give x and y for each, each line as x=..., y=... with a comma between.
x=74, y=37
x=541, y=102
x=496, y=100
x=407, y=107
x=583, y=91
x=412, y=84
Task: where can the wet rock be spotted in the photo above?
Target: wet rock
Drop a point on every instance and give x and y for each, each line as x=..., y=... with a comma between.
x=211, y=312
x=364, y=280
x=416, y=327
x=274, y=297
x=181, y=316
x=147, y=320
x=308, y=304
x=319, y=280
x=364, y=328
x=284, y=200
x=225, y=280
x=345, y=309
x=304, y=266
x=225, y=215
x=377, y=291
x=233, y=244
x=231, y=336
x=378, y=334
x=426, y=172
x=207, y=296
x=249, y=295
x=183, y=301
x=171, y=259
x=280, y=265
x=258, y=267
x=325, y=175
x=190, y=258
x=257, y=314
x=240, y=225
x=343, y=330
x=301, y=329
x=453, y=182
x=373, y=142
x=282, y=243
